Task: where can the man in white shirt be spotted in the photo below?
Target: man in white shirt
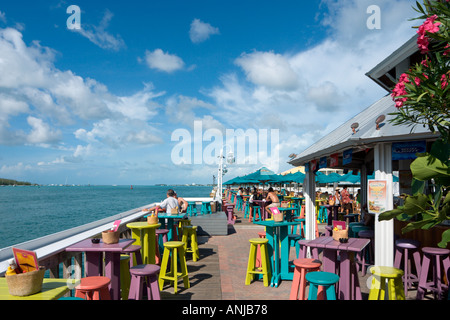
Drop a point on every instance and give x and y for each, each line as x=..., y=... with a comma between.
x=168, y=204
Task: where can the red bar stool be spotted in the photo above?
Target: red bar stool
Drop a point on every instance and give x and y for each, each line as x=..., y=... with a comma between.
x=433, y=258
x=149, y=273
x=302, y=266
x=403, y=249
x=93, y=288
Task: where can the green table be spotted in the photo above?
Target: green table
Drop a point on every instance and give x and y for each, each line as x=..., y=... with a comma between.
x=145, y=236
x=52, y=289
x=277, y=233
x=170, y=223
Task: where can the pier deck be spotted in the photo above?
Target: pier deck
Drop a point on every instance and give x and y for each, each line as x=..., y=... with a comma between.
x=219, y=274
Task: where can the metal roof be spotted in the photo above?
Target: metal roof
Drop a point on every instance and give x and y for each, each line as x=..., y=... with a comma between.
x=342, y=138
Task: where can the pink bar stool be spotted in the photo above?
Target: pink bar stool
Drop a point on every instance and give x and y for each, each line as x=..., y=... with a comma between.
x=403, y=249
x=93, y=288
x=147, y=273
x=163, y=233
x=261, y=234
x=302, y=266
x=433, y=258
x=135, y=254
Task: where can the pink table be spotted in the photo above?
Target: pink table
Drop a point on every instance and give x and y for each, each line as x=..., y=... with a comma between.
x=94, y=255
x=349, y=288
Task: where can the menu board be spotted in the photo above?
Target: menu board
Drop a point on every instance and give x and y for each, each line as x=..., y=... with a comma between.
x=377, y=196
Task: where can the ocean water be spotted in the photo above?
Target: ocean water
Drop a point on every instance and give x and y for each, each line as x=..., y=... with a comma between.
x=30, y=212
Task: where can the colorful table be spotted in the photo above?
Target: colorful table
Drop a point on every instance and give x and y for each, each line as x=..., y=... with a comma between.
x=277, y=234
x=348, y=288
x=94, y=254
x=170, y=223
x=145, y=236
x=52, y=289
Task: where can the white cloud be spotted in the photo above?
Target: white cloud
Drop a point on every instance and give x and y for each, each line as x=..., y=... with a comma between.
x=201, y=31
x=2, y=17
x=163, y=61
x=41, y=133
x=268, y=69
x=99, y=36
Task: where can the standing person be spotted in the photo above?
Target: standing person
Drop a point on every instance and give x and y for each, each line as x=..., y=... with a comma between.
x=337, y=199
x=346, y=201
x=168, y=204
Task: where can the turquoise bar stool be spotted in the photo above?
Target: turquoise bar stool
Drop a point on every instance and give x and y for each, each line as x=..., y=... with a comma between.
x=206, y=207
x=191, y=209
x=247, y=210
x=350, y=228
x=256, y=209
x=357, y=228
x=325, y=279
x=239, y=203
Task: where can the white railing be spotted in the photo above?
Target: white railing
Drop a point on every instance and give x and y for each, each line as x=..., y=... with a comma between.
x=48, y=247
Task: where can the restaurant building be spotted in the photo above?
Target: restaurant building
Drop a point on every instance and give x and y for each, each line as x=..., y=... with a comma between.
x=370, y=143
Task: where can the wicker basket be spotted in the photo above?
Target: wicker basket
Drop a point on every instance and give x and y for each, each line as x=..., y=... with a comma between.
x=110, y=237
x=152, y=219
x=278, y=217
x=285, y=204
x=340, y=234
x=25, y=284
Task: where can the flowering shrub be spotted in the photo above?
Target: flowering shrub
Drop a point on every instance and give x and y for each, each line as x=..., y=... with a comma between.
x=421, y=98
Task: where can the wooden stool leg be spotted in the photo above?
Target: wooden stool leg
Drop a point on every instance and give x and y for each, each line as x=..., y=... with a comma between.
x=295, y=284
x=154, y=289
x=184, y=268
x=264, y=263
x=251, y=264
x=175, y=269
x=164, y=265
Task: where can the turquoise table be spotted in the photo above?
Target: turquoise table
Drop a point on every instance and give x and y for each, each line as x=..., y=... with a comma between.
x=170, y=223
x=277, y=234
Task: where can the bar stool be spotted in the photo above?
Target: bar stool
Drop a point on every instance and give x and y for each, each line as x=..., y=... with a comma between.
x=125, y=278
x=147, y=273
x=325, y=279
x=403, y=248
x=134, y=251
x=357, y=228
x=328, y=231
x=262, y=235
x=206, y=207
x=433, y=258
x=176, y=250
x=264, y=270
x=181, y=224
x=302, y=266
x=247, y=210
x=323, y=214
x=190, y=237
x=191, y=209
x=252, y=218
x=350, y=227
x=162, y=236
x=366, y=257
x=386, y=275
x=93, y=288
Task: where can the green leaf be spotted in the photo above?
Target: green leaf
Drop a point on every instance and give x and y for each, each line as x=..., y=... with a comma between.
x=417, y=186
x=441, y=150
x=445, y=239
x=427, y=167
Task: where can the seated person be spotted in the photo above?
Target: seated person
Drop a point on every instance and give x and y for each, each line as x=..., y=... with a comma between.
x=182, y=204
x=167, y=205
x=272, y=200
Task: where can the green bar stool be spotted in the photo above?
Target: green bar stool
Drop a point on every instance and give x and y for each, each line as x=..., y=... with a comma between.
x=325, y=279
x=191, y=209
x=206, y=207
x=190, y=237
x=125, y=277
x=390, y=276
x=357, y=228
x=252, y=269
x=176, y=250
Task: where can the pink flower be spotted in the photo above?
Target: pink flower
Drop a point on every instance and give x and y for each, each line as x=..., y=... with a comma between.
x=400, y=90
x=417, y=81
x=428, y=26
x=444, y=81
x=447, y=52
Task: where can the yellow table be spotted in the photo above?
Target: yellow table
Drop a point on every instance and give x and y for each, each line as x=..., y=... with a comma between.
x=145, y=236
x=52, y=289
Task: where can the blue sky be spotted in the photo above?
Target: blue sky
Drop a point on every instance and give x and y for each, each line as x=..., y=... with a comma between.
x=102, y=104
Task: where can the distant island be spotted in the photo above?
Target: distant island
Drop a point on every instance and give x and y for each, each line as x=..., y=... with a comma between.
x=10, y=182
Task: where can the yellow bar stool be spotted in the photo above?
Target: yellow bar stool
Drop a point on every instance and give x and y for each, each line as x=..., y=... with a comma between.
x=176, y=250
x=190, y=241
x=264, y=269
x=182, y=223
x=125, y=277
x=390, y=276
